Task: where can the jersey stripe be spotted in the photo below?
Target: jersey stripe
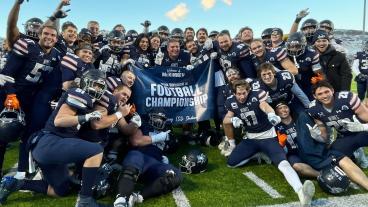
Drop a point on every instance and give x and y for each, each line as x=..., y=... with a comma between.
x=354, y=102
x=68, y=65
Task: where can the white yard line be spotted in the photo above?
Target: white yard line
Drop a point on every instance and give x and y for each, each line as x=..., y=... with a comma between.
x=180, y=199
x=12, y=170
x=263, y=185
x=360, y=200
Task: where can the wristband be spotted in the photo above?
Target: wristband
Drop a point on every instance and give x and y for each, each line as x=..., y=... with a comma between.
x=118, y=115
x=52, y=18
x=82, y=119
x=297, y=20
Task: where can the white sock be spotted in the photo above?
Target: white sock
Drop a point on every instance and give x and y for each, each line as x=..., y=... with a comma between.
x=290, y=175
x=160, y=137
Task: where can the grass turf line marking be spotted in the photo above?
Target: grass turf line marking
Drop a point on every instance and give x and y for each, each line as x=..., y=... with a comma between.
x=263, y=185
x=12, y=170
x=360, y=200
x=180, y=199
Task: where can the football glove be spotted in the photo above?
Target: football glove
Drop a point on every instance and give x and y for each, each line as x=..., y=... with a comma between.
x=236, y=122
x=355, y=125
x=96, y=115
x=315, y=133
x=136, y=119
x=273, y=118
x=5, y=78
x=12, y=102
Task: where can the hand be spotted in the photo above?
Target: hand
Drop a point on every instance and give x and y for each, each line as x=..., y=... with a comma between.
x=20, y=1
x=208, y=44
x=59, y=14
x=12, y=102
x=159, y=57
x=236, y=122
x=355, y=125
x=104, y=67
x=273, y=118
x=96, y=115
x=317, y=78
x=136, y=119
x=189, y=67
x=5, y=78
x=213, y=55
x=303, y=13
x=129, y=61
x=146, y=23
x=314, y=131
x=65, y=2
x=361, y=78
x=125, y=109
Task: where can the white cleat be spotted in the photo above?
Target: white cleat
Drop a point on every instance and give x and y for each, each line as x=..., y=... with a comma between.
x=306, y=193
x=135, y=198
x=228, y=149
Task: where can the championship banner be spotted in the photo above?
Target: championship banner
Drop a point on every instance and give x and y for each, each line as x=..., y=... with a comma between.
x=184, y=96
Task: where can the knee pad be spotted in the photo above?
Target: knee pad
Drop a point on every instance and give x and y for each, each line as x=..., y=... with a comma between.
x=130, y=173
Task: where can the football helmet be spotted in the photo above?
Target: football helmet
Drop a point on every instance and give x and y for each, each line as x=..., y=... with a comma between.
x=327, y=24
x=296, y=43
x=131, y=36
x=177, y=33
x=309, y=23
x=85, y=35
x=163, y=30
x=93, y=83
x=266, y=34
x=209, y=138
x=12, y=125
x=193, y=162
x=32, y=26
x=333, y=180
x=157, y=120
x=116, y=41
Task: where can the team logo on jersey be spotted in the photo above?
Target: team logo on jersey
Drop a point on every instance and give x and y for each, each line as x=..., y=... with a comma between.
x=344, y=107
x=321, y=114
x=308, y=59
x=338, y=111
x=272, y=59
x=254, y=99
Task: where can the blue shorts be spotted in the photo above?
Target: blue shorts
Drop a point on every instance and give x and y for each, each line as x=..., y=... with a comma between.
x=348, y=144
x=293, y=158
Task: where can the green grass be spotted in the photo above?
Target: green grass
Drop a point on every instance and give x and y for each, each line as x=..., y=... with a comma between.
x=218, y=186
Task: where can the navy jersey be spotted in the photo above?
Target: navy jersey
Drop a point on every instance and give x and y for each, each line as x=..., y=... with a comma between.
x=63, y=47
x=3, y=60
x=237, y=56
x=182, y=60
x=107, y=101
x=282, y=92
x=290, y=131
x=78, y=100
x=28, y=65
x=73, y=67
x=307, y=64
x=143, y=58
x=254, y=119
x=345, y=104
x=273, y=55
x=112, y=82
x=109, y=61
x=363, y=62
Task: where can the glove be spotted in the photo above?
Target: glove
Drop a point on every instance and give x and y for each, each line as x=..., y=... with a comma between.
x=316, y=133
x=361, y=78
x=104, y=67
x=303, y=13
x=5, y=78
x=21, y=1
x=12, y=102
x=129, y=61
x=208, y=44
x=213, y=55
x=317, y=78
x=355, y=125
x=189, y=67
x=159, y=57
x=60, y=14
x=236, y=122
x=136, y=119
x=273, y=118
x=96, y=115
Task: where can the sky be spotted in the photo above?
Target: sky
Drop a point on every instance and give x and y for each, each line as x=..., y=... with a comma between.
x=211, y=14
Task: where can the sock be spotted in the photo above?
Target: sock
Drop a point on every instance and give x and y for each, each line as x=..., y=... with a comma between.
x=290, y=175
x=125, y=187
x=88, y=180
x=38, y=186
x=160, y=137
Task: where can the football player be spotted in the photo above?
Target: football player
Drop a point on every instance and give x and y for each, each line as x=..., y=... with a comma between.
x=67, y=39
x=110, y=55
x=174, y=56
x=58, y=144
x=189, y=34
x=145, y=163
x=201, y=36
x=277, y=38
x=360, y=68
x=248, y=108
x=246, y=35
x=139, y=52
x=29, y=63
x=306, y=61
x=308, y=27
x=276, y=56
x=281, y=86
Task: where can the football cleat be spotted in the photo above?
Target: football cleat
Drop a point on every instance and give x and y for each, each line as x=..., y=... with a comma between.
x=9, y=185
x=306, y=193
x=135, y=198
x=227, y=149
x=121, y=202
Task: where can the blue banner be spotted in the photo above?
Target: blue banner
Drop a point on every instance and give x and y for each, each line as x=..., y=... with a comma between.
x=184, y=96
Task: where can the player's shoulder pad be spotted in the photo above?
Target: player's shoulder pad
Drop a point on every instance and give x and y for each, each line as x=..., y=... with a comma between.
x=78, y=99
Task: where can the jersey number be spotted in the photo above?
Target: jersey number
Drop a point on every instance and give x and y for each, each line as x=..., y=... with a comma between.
x=250, y=118
x=35, y=75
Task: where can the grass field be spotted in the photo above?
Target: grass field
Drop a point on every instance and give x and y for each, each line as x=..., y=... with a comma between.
x=219, y=186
